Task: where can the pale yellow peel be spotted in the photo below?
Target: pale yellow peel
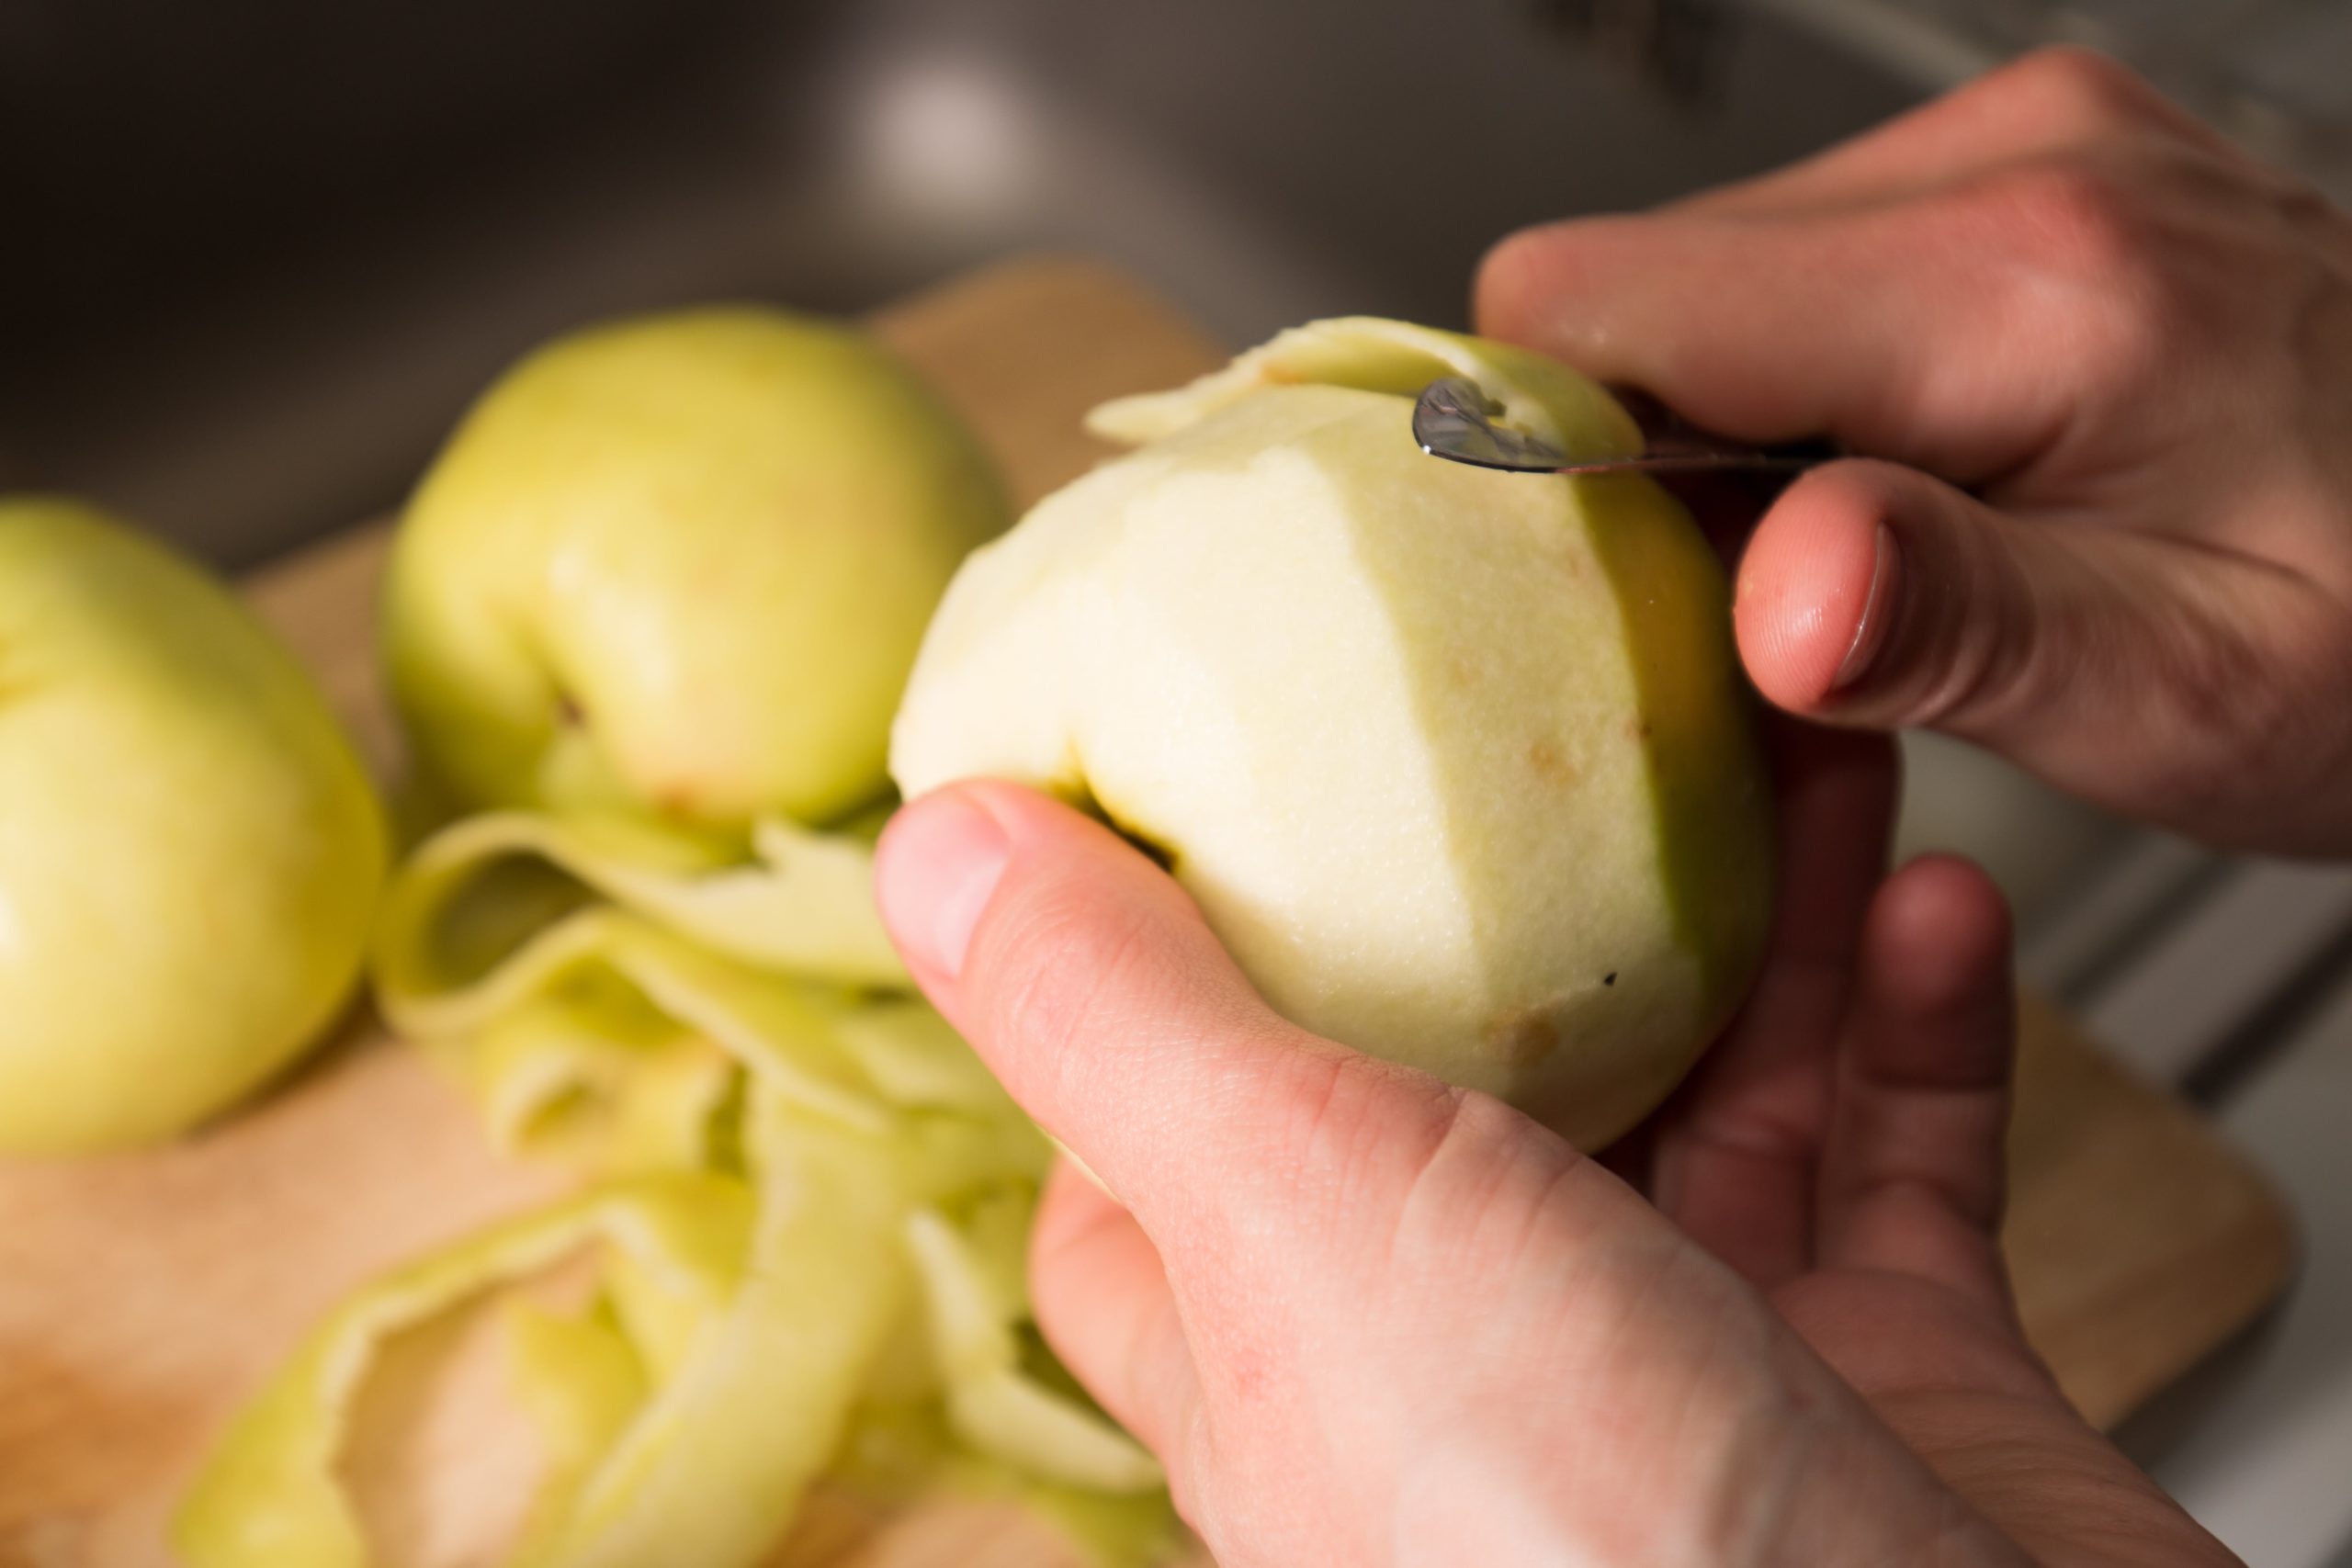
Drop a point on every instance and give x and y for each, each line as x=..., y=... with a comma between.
x=582, y=1077
x=1370, y=354
x=268, y=1496
x=715, y=1463
x=579, y=1382
x=992, y=1405
x=803, y=904
x=599, y=1026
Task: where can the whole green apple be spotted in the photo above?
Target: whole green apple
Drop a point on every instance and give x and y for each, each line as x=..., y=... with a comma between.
x=189, y=849
x=679, y=566
x=1458, y=763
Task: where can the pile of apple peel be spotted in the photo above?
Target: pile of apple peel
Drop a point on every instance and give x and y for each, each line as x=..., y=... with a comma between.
x=807, y=1211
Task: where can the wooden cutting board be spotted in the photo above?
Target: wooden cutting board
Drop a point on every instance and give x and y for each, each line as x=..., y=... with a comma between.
x=143, y=1297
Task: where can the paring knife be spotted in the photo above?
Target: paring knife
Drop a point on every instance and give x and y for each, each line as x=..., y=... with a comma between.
x=1453, y=420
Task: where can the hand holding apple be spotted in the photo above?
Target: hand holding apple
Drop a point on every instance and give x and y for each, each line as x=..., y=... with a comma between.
x=1366, y=1318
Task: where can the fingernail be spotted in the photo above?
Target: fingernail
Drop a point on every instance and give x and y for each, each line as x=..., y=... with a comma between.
x=1878, y=609
x=940, y=863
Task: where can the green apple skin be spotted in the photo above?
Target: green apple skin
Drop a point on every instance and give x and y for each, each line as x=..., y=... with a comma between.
x=1458, y=764
x=679, y=566
x=191, y=850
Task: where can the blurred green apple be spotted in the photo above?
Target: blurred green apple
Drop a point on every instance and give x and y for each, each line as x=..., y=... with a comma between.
x=189, y=849
x=1458, y=763
x=679, y=566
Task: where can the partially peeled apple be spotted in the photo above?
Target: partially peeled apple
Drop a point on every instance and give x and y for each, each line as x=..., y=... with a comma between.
x=1458, y=763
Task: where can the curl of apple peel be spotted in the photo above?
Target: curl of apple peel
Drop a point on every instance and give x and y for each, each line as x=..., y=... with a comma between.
x=498, y=951
x=726, y=1360
x=591, y=1077
x=268, y=1493
x=1371, y=354
x=551, y=1004
x=594, y=1034
x=974, y=1314
x=802, y=903
x=604, y=983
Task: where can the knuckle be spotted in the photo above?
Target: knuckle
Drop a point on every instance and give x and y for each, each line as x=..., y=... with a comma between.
x=2071, y=89
x=1352, y=1115
x=2091, y=268
x=2250, y=705
x=2299, y=205
x=2173, y=702
x=2213, y=679
x=1986, y=651
x=2071, y=216
x=1468, y=1156
x=1055, y=965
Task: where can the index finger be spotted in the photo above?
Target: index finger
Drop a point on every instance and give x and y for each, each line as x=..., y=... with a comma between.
x=1883, y=327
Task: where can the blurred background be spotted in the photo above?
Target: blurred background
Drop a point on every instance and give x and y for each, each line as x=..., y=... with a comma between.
x=255, y=258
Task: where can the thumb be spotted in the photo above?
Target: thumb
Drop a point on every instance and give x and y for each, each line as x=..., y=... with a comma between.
x=2121, y=666
x=1089, y=984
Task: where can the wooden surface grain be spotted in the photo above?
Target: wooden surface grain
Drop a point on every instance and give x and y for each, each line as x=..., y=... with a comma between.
x=143, y=1297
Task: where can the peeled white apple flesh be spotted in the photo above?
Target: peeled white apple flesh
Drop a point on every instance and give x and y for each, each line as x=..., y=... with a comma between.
x=189, y=849
x=1457, y=764
x=679, y=567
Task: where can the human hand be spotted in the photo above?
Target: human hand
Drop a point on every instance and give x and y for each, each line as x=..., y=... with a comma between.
x=2115, y=355
x=1367, y=1319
